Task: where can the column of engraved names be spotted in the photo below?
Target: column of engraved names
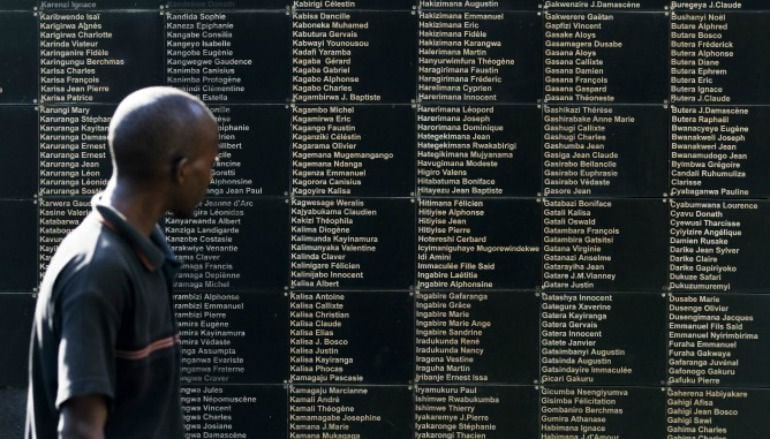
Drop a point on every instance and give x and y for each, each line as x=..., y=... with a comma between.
x=703, y=244
x=200, y=59
x=209, y=309
x=704, y=334
x=594, y=378
x=226, y=335
x=324, y=147
x=573, y=352
x=320, y=353
x=328, y=330
x=459, y=59
x=82, y=55
x=576, y=49
x=708, y=413
x=444, y=236
x=470, y=150
x=339, y=159
x=454, y=322
x=714, y=386
x=463, y=143
x=329, y=411
x=461, y=148
x=577, y=412
x=448, y=341
x=580, y=156
x=449, y=350
x=72, y=48
x=73, y=150
x=213, y=302
x=211, y=354
x=577, y=249
x=325, y=161
x=593, y=144
x=714, y=329
x=333, y=149
x=214, y=55
x=215, y=230
x=325, y=249
x=323, y=47
x=597, y=151
x=457, y=373
x=197, y=43
x=340, y=344
x=206, y=315
x=709, y=150
x=699, y=49
x=711, y=154
x=578, y=159
x=56, y=218
x=213, y=411
x=72, y=142
x=340, y=149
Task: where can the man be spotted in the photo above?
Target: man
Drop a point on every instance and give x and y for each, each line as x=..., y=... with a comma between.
x=104, y=356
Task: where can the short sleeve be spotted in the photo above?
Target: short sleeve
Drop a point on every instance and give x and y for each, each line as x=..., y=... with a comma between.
x=89, y=322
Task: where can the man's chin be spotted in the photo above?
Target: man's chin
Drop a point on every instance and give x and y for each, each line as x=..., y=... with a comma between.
x=187, y=210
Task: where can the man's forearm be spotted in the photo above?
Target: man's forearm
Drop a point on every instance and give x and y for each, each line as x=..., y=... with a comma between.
x=83, y=417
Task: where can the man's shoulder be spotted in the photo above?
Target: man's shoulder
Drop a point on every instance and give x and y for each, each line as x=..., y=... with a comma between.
x=91, y=253
x=89, y=270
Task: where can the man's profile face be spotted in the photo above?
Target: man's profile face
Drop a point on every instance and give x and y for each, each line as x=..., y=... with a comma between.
x=200, y=170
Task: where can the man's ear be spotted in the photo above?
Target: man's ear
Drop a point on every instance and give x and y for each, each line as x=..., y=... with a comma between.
x=180, y=170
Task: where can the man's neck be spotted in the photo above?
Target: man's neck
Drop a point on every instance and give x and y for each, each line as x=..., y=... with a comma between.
x=142, y=209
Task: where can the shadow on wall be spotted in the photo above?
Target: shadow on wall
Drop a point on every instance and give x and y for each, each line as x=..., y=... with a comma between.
x=12, y=408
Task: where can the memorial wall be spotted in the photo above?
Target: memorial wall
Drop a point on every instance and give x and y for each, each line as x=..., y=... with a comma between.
x=445, y=219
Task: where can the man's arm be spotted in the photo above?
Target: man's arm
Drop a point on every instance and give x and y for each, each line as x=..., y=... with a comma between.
x=83, y=417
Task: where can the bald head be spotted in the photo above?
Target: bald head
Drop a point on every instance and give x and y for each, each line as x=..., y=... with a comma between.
x=152, y=129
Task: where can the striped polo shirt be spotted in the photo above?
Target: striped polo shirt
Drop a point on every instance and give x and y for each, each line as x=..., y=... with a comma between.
x=104, y=324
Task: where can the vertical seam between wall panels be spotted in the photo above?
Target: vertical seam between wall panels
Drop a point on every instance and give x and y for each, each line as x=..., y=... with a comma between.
x=36, y=196
x=416, y=207
x=539, y=202
x=667, y=111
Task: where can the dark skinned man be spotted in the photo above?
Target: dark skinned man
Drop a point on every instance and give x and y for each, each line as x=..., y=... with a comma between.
x=104, y=356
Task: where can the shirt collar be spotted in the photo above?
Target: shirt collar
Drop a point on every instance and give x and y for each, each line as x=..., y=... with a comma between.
x=152, y=251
